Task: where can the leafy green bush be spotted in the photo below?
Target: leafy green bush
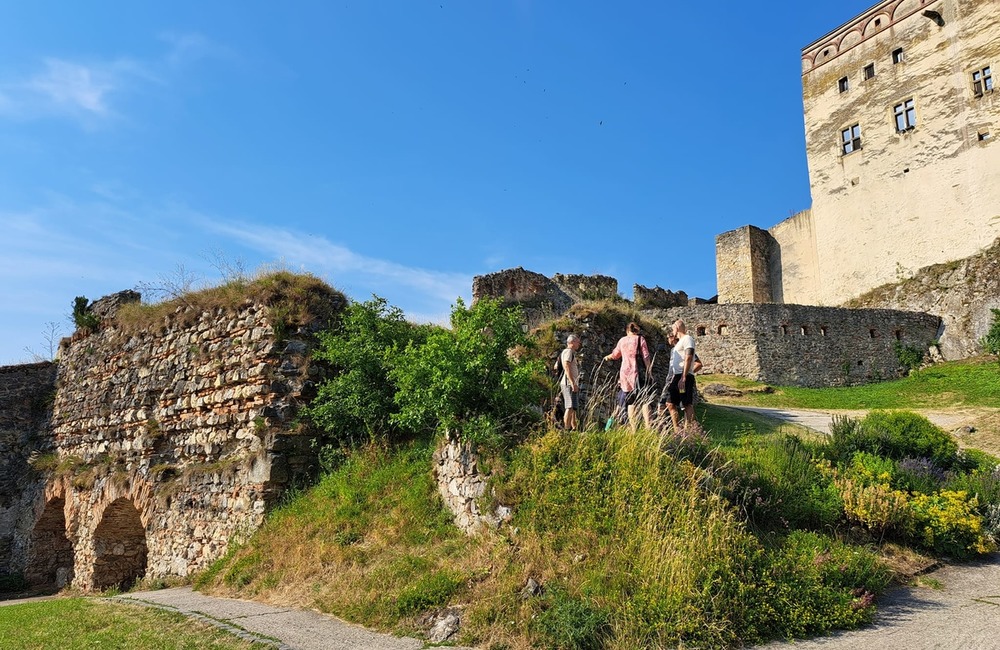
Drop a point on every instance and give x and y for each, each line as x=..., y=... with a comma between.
x=83, y=318
x=909, y=357
x=813, y=584
x=893, y=434
x=869, y=469
x=991, y=341
x=474, y=381
x=358, y=401
x=779, y=485
x=570, y=623
x=947, y=523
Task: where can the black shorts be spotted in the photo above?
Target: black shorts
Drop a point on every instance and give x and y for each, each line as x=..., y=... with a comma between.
x=677, y=397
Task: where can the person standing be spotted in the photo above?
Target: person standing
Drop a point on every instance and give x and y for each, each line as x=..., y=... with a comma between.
x=570, y=381
x=632, y=350
x=682, y=386
x=665, y=395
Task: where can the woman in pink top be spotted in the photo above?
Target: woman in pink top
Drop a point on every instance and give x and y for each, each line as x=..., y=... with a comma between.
x=630, y=395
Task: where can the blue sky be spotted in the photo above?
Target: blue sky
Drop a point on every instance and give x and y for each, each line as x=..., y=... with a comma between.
x=396, y=147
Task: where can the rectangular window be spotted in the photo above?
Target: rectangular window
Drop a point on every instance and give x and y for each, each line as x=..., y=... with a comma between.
x=906, y=115
x=850, y=139
x=842, y=84
x=869, y=71
x=897, y=55
x=982, y=82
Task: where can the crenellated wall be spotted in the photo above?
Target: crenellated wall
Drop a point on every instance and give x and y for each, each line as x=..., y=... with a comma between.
x=167, y=440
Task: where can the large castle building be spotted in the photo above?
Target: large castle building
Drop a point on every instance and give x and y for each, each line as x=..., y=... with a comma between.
x=901, y=121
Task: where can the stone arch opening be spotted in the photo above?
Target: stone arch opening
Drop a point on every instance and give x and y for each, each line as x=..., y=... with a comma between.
x=50, y=558
x=120, y=551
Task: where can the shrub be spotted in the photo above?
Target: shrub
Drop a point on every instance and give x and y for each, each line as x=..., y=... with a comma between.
x=83, y=318
x=813, y=584
x=893, y=434
x=876, y=507
x=919, y=475
x=869, y=469
x=909, y=357
x=779, y=486
x=991, y=341
x=475, y=381
x=358, y=401
x=947, y=523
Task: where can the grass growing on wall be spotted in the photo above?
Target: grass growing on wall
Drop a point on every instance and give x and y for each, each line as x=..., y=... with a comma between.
x=293, y=300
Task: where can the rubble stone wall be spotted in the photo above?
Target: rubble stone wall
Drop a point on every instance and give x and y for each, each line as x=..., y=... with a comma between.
x=166, y=443
x=26, y=394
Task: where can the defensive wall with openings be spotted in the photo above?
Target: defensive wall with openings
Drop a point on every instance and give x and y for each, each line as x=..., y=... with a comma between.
x=147, y=449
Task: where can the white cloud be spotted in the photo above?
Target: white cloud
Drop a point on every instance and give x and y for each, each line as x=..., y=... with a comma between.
x=74, y=86
x=319, y=253
x=188, y=47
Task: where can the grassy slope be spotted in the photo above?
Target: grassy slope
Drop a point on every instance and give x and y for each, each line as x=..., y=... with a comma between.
x=624, y=538
x=974, y=383
x=76, y=623
x=371, y=544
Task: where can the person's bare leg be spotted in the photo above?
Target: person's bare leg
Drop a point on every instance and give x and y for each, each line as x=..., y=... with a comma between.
x=647, y=416
x=675, y=417
x=633, y=417
x=689, y=422
x=569, y=419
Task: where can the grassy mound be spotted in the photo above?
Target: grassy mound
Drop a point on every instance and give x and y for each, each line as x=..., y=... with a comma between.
x=634, y=545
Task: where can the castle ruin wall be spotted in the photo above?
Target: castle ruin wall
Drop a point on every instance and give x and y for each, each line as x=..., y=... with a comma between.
x=26, y=392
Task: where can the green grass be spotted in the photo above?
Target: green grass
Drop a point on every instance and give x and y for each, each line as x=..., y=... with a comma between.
x=967, y=383
x=79, y=623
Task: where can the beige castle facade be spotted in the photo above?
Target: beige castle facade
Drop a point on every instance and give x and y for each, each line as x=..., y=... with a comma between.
x=902, y=118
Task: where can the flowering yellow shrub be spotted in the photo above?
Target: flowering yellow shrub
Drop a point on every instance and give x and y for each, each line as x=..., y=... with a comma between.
x=877, y=507
x=947, y=523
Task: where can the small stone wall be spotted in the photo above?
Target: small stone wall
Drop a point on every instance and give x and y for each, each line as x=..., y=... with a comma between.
x=963, y=292
x=657, y=298
x=456, y=468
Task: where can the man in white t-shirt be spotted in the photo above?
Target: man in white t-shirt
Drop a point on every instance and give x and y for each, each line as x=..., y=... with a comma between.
x=570, y=382
x=682, y=386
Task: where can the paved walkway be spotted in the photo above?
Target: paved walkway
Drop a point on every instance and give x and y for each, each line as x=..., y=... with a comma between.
x=284, y=628
x=820, y=420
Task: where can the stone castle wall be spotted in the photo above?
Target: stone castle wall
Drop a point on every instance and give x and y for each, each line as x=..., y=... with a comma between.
x=894, y=199
x=542, y=298
x=791, y=345
x=168, y=442
x=26, y=394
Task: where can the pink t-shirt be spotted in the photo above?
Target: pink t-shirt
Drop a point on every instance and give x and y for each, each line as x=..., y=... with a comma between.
x=625, y=350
